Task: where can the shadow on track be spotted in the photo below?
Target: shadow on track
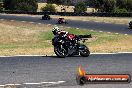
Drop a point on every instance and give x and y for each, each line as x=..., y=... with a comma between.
x=59, y=57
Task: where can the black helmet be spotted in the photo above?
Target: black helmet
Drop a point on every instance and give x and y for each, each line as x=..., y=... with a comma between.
x=55, y=30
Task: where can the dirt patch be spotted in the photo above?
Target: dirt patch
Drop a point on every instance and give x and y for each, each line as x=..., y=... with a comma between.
x=27, y=51
x=27, y=25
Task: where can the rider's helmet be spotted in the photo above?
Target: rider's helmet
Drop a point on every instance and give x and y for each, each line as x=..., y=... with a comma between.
x=55, y=30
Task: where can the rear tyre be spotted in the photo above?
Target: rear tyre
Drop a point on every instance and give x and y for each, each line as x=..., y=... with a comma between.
x=130, y=25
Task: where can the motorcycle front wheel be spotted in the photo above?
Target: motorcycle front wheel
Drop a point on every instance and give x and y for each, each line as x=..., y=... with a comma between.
x=61, y=51
x=130, y=26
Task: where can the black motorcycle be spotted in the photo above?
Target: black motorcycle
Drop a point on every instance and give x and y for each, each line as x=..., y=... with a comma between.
x=130, y=24
x=46, y=17
x=64, y=47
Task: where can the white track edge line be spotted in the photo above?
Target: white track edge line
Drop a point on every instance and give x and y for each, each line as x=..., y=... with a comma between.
x=53, y=83
x=12, y=84
x=55, y=55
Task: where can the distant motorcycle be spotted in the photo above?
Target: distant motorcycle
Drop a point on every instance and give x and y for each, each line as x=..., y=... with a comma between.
x=46, y=17
x=62, y=21
x=130, y=24
x=63, y=47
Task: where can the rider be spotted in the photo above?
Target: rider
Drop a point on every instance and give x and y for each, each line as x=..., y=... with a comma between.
x=56, y=31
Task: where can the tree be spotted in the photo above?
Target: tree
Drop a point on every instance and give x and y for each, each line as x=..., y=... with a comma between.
x=103, y=5
x=1, y=5
x=8, y=5
x=121, y=3
x=22, y=5
x=60, y=2
x=55, y=1
x=109, y=5
x=26, y=5
x=49, y=7
x=119, y=10
x=80, y=7
x=97, y=4
x=125, y=4
x=129, y=5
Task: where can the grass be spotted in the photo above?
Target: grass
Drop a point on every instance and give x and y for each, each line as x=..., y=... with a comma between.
x=22, y=38
x=111, y=43
x=17, y=38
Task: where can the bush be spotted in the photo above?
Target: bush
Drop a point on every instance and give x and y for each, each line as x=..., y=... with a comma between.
x=1, y=6
x=49, y=7
x=80, y=7
x=120, y=10
x=21, y=5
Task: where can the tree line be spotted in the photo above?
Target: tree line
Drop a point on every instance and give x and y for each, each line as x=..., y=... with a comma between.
x=21, y=5
x=111, y=5
x=117, y=6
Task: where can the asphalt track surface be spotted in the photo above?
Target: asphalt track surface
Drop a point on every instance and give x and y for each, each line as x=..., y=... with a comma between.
x=98, y=26
x=19, y=70
x=35, y=69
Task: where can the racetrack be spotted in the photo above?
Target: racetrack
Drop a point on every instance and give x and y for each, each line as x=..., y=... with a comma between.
x=36, y=69
x=98, y=26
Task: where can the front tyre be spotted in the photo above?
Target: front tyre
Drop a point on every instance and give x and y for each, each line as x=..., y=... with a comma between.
x=85, y=52
x=61, y=51
x=130, y=26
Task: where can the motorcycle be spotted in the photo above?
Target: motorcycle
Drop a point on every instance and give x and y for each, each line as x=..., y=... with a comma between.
x=62, y=21
x=46, y=17
x=130, y=24
x=63, y=47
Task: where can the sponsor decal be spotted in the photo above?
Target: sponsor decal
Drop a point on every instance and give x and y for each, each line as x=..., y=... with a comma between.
x=83, y=78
